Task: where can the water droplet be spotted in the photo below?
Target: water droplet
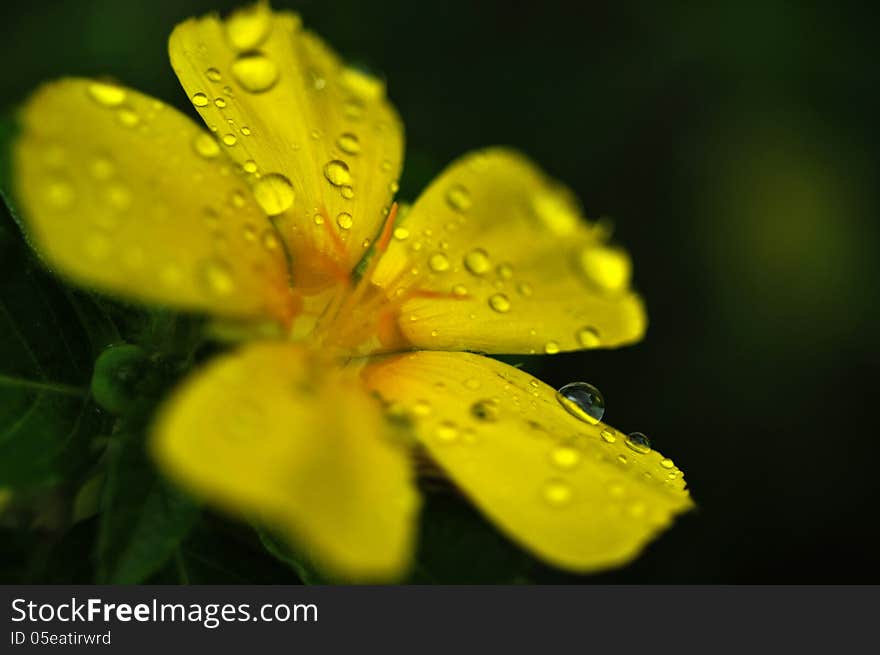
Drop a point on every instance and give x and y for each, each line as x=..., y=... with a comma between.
x=499, y=302
x=250, y=166
x=220, y=103
x=565, y=457
x=217, y=277
x=608, y=435
x=638, y=442
x=607, y=269
x=525, y=289
x=248, y=26
x=477, y=261
x=667, y=463
x=556, y=211
x=229, y=139
x=353, y=109
x=438, y=262
x=459, y=198
x=362, y=84
x=245, y=130
x=446, y=432
x=206, y=145
x=318, y=219
x=270, y=240
x=107, y=94
x=557, y=492
x=622, y=458
x=127, y=116
x=505, y=271
x=460, y=290
x=274, y=193
x=346, y=192
x=588, y=337
x=486, y=410
x=551, y=347
x=401, y=233
x=60, y=194
x=200, y=100
x=349, y=143
x=583, y=401
x=255, y=72
x=213, y=74
x=344, y=220
x=250, y=232
x=337, y=173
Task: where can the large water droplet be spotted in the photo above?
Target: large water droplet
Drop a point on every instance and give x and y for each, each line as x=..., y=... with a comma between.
x=247, y=27
x=274, y=193
x=255, y=72
x=588, y=337
x=438, y=262
x=337, y=173
x=213, y=74
x=200, y=100
x=459, y=198
x=344, y=220
x=638, y=442
x=582, y=400
x=477, y=261
x=349, y=143
x=106, y=94
x=499, y=302
x=551, y=347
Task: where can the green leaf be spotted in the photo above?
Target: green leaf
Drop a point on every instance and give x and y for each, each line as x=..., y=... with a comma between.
x=298, y=563
x=143, y=518
x=49, y=337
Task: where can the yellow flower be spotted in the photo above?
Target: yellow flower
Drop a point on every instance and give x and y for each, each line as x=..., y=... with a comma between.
x=280, y=224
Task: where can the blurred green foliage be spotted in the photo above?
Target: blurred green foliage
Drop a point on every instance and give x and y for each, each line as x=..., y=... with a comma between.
x=733, y=144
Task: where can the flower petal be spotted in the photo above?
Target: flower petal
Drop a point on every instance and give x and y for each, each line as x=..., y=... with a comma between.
x=126, y=194
x=273, y=433
x=495, y=257
x=574, y=493
x=322, y=144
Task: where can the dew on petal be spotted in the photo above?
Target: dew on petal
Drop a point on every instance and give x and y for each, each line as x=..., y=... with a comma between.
x=551, y=347
x=588, y=337
x=274, y=193
x=459, y=198
x=446, y=432
x=217, y=278
x=344, y=220
x=438, y=262
x=557, y=492
x=500, y=303
x=248, y=27
x=565, y=457
x=255, y=72
x=477, y=261
x=107, y=94
x=206, y=145
x=582, y=400
x=337, y=172
x=200, y=100
x=638, y=442
x=349, y=143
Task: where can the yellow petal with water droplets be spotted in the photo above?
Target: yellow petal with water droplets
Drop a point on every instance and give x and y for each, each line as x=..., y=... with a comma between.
x=125, y=194
x=522, y=273
x=295, y=113
x=571, y=491
x=276, y=435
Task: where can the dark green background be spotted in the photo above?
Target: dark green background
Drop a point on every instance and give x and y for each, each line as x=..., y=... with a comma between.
x=736, y=148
